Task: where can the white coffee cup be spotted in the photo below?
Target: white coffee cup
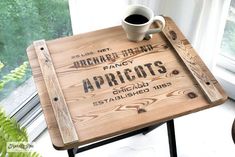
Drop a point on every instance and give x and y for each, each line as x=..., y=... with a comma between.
x=137, y=32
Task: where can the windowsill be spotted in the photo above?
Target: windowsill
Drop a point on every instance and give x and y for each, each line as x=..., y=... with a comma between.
x=24, y=106
x=226, y=79
x=19, y=97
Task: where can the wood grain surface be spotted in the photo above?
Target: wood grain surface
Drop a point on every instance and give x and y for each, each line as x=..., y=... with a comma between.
x=195, y=65
x=112, y=86
x=62, y=115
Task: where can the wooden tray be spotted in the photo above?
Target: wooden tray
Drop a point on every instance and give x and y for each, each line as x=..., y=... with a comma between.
x=97, y=85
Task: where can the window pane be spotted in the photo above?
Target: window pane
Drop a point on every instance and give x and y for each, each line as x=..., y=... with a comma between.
x=228, y=41
x=22, y=22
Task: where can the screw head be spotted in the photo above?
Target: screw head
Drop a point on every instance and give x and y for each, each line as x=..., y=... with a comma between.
x=173, y=35
x=56, y=99
x=175, y=72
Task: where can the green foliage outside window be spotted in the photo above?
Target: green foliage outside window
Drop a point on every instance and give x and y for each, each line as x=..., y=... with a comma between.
x=15, y=75
x=21, y=23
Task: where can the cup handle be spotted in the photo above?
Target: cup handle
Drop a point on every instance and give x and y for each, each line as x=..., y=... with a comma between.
x=156, y=30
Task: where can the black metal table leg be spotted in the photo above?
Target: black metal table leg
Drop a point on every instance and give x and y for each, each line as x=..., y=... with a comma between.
x=71, y=152
x=171, y=138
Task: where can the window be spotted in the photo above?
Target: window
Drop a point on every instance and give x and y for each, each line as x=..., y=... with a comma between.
x=22, y=22
x=226, y=58
x=228, y=42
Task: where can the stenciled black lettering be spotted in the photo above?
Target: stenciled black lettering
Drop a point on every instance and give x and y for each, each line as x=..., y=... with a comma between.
x=149, y=66
x=169, y=83
x=89, y=61
x=102, y=59
x=116, y=65
x=111, y=79
x=83, y=63
x=131, y=51
x=87, y=85
x=144, y=49
x=160, y=65
x=150, y=47
x=164, y=85
x=105, y=67
x=115, y=55
x=98, y=81
x=123, y=76
x=109, y=57
x=76, y=64
x=119, y=74
x=140, y=71
x=119, y=97
x=136, y=50
x=124, y=53
x=96, y=60
x=126, y=72
x=124, y=63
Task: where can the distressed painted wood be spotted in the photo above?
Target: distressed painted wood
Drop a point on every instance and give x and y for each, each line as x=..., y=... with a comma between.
x=62, y=115
x=113, y=86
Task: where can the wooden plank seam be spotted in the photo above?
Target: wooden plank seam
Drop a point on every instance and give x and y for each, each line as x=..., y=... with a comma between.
x=60, y=108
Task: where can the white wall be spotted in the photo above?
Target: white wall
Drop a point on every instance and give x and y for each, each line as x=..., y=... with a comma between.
x=89, y=15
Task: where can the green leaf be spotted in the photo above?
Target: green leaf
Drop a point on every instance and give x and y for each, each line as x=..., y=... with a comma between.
x=10, y=131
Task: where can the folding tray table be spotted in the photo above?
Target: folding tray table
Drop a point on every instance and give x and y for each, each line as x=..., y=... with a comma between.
x=100, y=86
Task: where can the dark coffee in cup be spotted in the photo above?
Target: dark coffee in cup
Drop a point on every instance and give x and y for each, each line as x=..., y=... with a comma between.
x=136, y=19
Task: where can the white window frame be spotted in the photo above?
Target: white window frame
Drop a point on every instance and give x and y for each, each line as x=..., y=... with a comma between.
x=227, y=62
x=225, y=67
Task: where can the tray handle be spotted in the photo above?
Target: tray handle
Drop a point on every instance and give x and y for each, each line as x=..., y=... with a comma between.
x=194, y=63
x=60, y=108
